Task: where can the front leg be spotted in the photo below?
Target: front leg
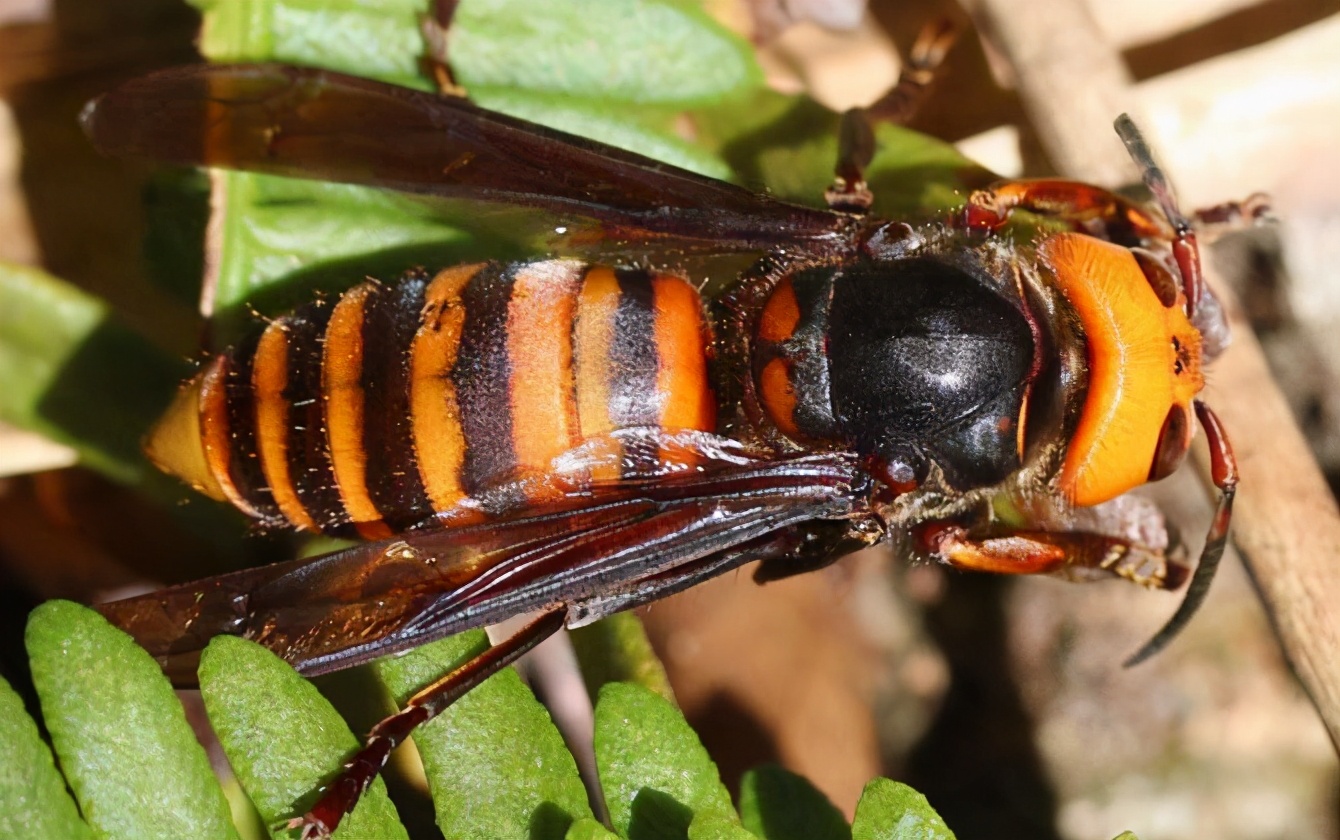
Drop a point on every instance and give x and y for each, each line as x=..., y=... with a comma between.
x=1077, y=555
x=1097, y=212
x=1084, y=207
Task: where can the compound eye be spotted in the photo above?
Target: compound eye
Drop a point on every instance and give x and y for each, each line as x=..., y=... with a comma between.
x=1174, y=441
x=1166, y=287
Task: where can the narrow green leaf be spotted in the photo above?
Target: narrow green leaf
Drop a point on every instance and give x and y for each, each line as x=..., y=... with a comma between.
x=616, y=649
x=588, y=828
x=777, y=804
x=496, y=766
x=654, y=771
x=127, y=751
x=70, y=371
x=374, y=38
x=282, y=738
x=708, y=827
x=33, y=799
x=1126, y=835
x=245, y=816
x=283, y=238
x=62, y=355
x=630, y=51
x=893, y=811
x=914, y=174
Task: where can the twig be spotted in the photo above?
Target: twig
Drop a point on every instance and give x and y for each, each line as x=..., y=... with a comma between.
x=1287, y=527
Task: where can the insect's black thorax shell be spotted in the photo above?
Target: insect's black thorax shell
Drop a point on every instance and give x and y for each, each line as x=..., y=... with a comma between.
x=925, y=363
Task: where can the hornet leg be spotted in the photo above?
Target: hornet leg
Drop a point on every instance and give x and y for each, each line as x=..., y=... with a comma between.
x=434, y=28
x=856, y=134
x=1078, y=554
x=342, y=794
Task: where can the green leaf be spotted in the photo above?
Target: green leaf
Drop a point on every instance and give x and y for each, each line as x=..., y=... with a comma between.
x=119, y=731
x=784, y=144
x=280, y=239
x=1126, y=835
x=588, y=828
x=787, y=145
x=282, y=738
x=33, y=798
x=495, y=764
x=913, y=173
x=616, y=649
x=71, y=371
x=653, y=769
x=647, y=51
x=893, y=811
x=777, y=804
x=62, y=354
x=709, y=827
x=176, y=217
x=283, y=238
x=374, y=38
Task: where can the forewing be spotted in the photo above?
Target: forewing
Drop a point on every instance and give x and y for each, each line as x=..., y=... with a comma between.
x=310, y=123
x=628, y=546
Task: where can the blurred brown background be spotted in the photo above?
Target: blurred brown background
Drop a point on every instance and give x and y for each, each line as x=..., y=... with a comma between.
x=1003, y=701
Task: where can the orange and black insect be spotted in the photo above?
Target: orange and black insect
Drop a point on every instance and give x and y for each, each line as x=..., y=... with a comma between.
x=575, y=438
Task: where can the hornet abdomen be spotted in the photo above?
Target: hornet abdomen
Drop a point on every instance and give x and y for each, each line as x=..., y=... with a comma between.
x=445, y=396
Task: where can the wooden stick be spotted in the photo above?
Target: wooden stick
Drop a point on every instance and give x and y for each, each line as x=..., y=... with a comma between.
x=1051, y=45
x=1286, y=525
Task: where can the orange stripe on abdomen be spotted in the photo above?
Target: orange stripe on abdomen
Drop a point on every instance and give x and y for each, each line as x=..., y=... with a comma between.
x=269, y=380
x=593, y=333
x=439, y=441
x=214, y=431
x=681, y=359
x=341, y=380
x=539, y=346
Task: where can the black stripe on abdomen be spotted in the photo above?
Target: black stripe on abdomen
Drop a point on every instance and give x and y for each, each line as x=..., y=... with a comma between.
x=308, y=451
x=390, y=321
x=244, y=463
x=633, y=362
x=482, y=376
x=633, y=368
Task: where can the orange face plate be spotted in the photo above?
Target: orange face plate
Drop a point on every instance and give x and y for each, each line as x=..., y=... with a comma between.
x=1144, y=358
